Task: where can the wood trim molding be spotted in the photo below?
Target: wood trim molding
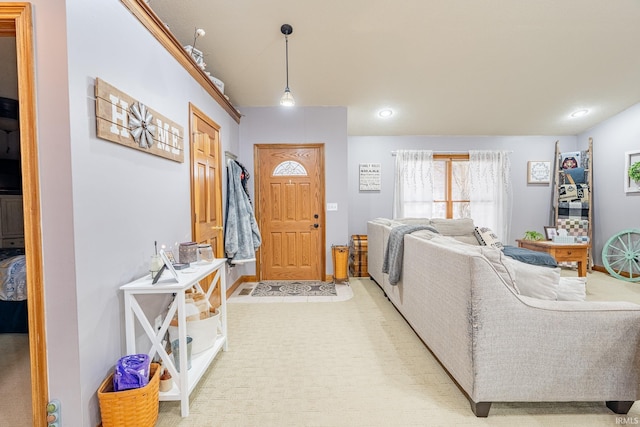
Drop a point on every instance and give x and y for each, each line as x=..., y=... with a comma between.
x=602, y=269
x=7, y=29
x=156, y=27
x=16, y=20
x=238, y=282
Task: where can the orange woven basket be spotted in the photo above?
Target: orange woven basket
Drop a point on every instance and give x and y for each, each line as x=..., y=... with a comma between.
x=137, y=407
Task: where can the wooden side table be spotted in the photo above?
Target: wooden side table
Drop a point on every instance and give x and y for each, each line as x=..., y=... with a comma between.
x=575, y=252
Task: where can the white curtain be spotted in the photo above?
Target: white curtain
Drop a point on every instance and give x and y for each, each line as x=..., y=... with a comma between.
x=490, y=196
x=413, y=195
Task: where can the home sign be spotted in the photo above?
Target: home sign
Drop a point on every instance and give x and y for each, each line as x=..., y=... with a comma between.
x=126, y=121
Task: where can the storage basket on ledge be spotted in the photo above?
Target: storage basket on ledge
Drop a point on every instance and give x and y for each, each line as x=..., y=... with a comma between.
x=136, y=407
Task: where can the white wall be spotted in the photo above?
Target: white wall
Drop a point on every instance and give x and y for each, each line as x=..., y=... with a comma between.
x=103, y=205
x=614, y=210
x=531, y=203
x=328, y=125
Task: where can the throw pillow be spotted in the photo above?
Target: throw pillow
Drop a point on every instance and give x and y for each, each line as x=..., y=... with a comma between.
x=572, y=289
x=535, y=281
x=530, y=257
x=486, y=237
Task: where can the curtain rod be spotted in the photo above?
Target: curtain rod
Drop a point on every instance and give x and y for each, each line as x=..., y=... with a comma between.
x=393, y=153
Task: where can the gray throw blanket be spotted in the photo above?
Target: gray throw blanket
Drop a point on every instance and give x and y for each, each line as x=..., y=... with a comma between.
x=241, y=235
x=392, y=263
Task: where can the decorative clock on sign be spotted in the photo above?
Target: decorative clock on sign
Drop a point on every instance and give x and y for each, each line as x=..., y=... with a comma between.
x=140, y=126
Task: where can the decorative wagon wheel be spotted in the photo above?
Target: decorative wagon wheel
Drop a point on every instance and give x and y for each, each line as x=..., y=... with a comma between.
x=621, y=254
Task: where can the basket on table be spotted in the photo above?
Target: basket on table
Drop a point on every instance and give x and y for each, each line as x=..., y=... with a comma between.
x=136, y=407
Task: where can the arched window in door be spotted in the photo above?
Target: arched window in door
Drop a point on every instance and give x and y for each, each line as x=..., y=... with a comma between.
x=289, y=168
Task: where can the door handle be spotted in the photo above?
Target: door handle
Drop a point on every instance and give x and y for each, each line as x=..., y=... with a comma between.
x=315, y=226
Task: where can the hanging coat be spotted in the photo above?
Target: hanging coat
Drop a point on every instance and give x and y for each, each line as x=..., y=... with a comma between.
x=241, y=235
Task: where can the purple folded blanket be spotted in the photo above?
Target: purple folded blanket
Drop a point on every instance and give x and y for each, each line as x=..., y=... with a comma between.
x=131, y=371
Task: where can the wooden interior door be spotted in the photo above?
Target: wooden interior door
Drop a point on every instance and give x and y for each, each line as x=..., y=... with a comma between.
x=290, y=197
x=16, y=21
x=206, y=187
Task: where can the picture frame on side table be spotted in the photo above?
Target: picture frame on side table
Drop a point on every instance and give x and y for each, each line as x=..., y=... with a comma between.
x=550, y=232
x=170, y=256
x=169, y=265
x=538, y=172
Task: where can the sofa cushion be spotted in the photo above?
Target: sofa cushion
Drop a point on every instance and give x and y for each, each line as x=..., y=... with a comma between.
x=453, y=227
x=572, y=289
x=504, y=269
x=381, y=221
x=414, y=221
x=486, y=237
x=535, y=281
x=425, y=234
x=468, y=239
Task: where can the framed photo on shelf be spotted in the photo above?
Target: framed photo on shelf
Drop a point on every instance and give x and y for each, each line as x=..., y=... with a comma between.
x=630, y=185
x=169, y=265
x=538, y=172
x=550, y=232
x=170, y=256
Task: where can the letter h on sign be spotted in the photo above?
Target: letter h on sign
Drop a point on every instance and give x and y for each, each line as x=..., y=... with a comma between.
x=119, y=114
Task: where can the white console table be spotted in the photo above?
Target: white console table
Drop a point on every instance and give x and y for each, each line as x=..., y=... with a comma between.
x=185, y=380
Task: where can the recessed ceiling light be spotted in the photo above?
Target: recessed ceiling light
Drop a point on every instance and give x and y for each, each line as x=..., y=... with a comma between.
x=387, y=112
x=580, y=113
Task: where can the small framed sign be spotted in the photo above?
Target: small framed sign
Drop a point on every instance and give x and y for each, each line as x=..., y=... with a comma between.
x=369, y=176
x=538, y=172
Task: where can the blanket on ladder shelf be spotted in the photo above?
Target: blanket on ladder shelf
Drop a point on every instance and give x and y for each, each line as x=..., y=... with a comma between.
x=241, y=234
x=392, y=263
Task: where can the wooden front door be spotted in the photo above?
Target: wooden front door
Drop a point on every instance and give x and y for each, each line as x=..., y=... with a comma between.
x=206, y=185
x=290, y=201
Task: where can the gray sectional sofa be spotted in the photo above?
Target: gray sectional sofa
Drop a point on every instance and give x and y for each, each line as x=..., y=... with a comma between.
x=500, y=346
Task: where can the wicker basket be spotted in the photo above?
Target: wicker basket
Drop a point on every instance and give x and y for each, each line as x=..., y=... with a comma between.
x=137, y=407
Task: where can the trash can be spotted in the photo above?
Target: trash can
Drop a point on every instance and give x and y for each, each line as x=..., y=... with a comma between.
x=340, y=257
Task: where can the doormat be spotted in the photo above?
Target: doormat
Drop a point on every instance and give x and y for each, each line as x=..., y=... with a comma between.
x=294, y=289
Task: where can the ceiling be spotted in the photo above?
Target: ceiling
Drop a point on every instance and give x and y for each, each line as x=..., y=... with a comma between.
x=446, y=67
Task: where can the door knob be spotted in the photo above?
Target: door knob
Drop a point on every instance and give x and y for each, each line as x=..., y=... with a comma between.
x=315, y=225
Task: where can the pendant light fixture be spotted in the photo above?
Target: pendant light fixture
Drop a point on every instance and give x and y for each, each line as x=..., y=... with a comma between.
x=287, y=99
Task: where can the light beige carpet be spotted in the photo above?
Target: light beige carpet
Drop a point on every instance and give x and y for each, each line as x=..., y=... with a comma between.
x=15, y=381
x=355, y=363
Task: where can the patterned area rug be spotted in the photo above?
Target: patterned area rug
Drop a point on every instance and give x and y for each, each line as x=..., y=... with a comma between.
x=294, y=288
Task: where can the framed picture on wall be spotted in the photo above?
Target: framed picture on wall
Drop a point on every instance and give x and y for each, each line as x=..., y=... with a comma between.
x=538, y=172
x=370, y=177
x=631, y=158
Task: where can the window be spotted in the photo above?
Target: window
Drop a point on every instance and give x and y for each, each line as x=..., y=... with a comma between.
x=451, y=186
x=475, y=185
x=289, y=168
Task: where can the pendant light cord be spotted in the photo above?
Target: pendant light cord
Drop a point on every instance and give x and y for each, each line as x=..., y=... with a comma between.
x=286, y=47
